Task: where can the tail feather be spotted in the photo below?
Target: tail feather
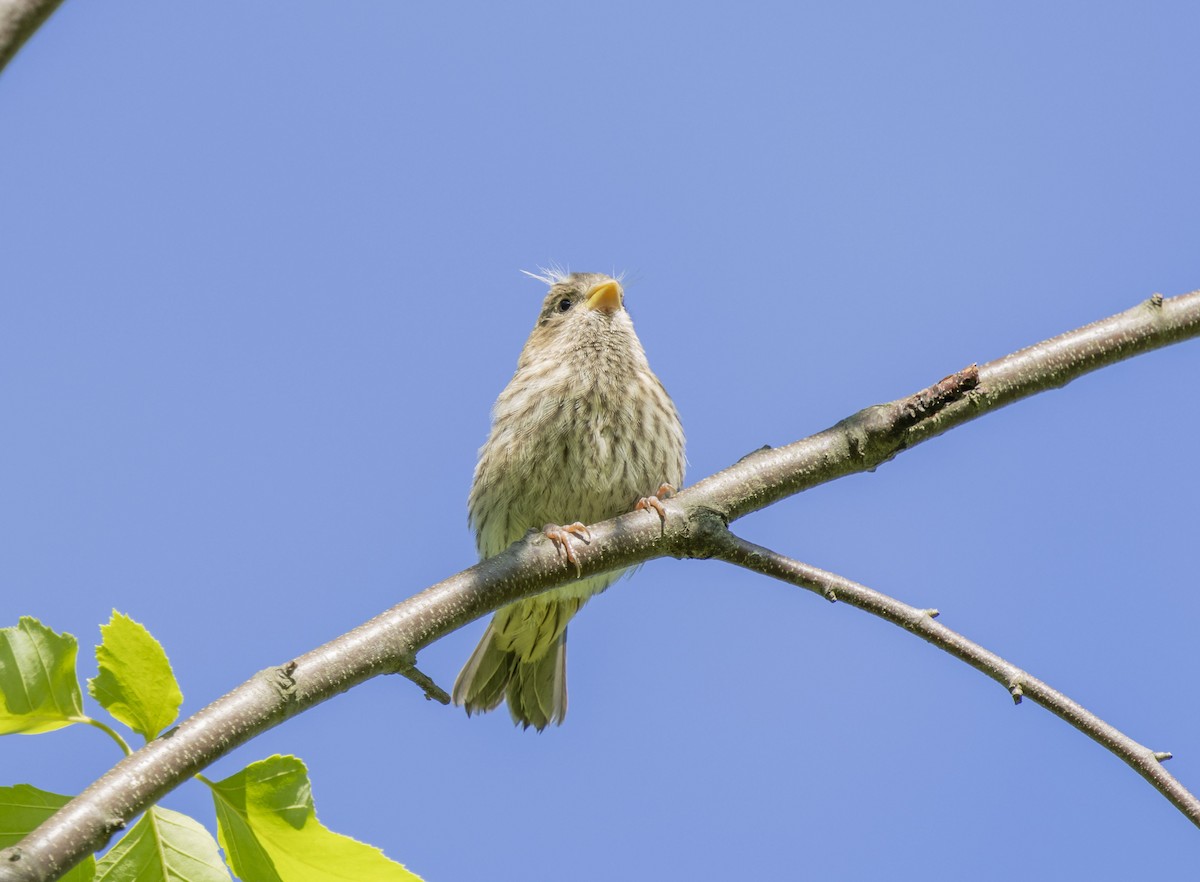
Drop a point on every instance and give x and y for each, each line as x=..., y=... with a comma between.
x=537, y=693
x=481, y=683
x=522, y=656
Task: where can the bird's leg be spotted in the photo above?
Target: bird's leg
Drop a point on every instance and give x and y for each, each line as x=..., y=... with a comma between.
x=561, y=537
x=665, y=491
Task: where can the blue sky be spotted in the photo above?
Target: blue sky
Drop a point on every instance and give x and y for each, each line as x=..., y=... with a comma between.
x=260, y=288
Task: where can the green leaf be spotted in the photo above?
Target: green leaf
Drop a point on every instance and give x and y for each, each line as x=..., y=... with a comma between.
x=39, y=691
x=164, y=846
x=270, y=832
x=22, y=809
x=135, y=683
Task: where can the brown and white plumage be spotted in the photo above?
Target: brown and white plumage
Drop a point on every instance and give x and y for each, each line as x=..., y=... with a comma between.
x=582, y=432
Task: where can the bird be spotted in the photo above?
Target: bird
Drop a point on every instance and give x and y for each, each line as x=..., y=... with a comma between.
x=584, y=431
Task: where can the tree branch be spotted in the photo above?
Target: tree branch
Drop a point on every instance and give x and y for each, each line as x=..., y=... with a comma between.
x=389, y=642
x=1146, y=762
x=18, y=20
x=872, y=436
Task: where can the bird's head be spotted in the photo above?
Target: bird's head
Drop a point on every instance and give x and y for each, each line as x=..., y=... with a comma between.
x=583, y=314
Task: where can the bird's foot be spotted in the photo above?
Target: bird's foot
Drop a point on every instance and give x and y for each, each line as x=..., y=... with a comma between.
x=646, y=503
x=561, y=537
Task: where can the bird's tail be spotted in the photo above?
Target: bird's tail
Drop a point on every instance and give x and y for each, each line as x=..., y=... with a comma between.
x=523, y=655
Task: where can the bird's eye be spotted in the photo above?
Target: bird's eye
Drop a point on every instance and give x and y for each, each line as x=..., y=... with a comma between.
x=564, y=304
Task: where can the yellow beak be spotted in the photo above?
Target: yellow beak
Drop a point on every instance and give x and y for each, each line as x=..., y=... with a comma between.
x=605, y=297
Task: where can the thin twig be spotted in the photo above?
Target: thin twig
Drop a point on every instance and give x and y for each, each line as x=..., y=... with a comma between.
x=433, y=692
x=380, y=646
x=18, y=20
x=1146, y=762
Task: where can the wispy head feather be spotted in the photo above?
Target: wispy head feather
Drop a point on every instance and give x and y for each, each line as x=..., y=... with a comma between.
x=550, y=275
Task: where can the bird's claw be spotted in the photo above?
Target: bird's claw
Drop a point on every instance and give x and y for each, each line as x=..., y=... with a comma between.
x=652, y=502
x=561, y=537
x=646, y=503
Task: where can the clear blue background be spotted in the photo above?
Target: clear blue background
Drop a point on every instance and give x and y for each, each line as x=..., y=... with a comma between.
x=259, y=288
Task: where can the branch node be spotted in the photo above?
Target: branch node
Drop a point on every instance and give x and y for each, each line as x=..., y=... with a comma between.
x=831, y=595
x=935, y=398
x=1163, y=755
x=408, y=670
x=932, y=613
x=707, y=533
x=11, y=855
x=762, y=449
x=1016, y=691
x=283, y=680
x=1155, y=301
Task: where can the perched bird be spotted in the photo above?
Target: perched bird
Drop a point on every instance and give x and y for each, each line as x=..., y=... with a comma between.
x=583, y=432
